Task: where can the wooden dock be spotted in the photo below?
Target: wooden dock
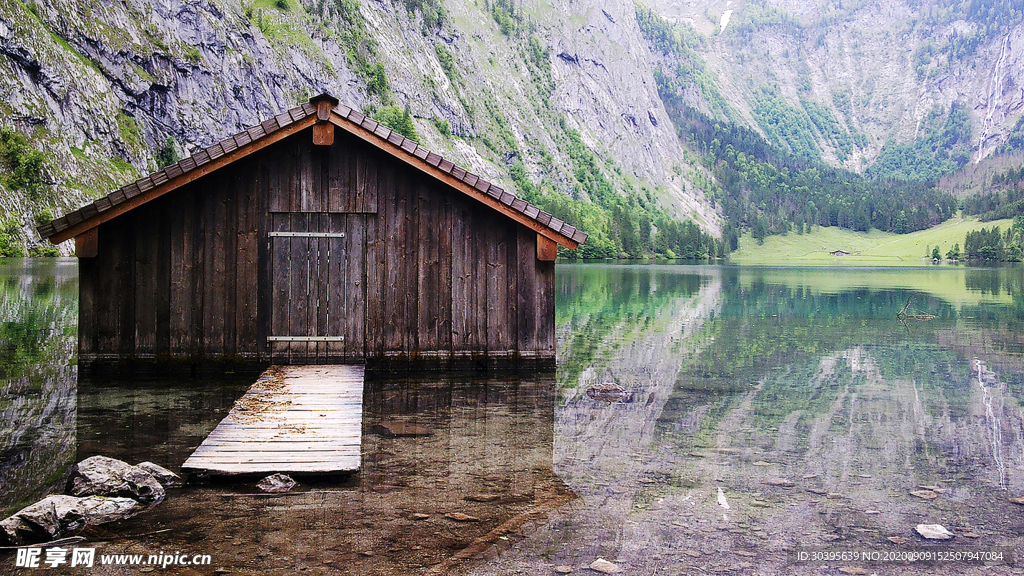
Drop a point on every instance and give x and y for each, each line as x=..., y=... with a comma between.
x=294, y=419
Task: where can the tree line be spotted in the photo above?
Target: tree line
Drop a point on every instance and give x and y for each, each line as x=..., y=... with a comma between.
x=769, y=191
x=1004, y=197
x=992, y=245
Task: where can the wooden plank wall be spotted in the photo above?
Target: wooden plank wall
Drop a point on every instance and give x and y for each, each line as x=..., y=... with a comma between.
x=423, y=272
x=178, y=277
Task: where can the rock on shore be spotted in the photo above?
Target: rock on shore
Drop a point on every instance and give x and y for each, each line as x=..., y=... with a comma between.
x=100, y=490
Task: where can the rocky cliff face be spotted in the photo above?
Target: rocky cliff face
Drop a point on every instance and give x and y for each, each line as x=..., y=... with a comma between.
x=878, y=68
x=105, y=89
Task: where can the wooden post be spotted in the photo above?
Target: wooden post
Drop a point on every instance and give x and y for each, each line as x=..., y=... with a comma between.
x=87, y=244
x=547, y=249
x=323, y=134
x=323, y=130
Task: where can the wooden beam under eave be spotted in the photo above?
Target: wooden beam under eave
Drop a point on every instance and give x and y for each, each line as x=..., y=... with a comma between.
x=547, y=249
x=87, y=244
x=397, y=152
x=323, y=134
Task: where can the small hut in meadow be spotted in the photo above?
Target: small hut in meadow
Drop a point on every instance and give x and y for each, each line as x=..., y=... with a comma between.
x=317, y=236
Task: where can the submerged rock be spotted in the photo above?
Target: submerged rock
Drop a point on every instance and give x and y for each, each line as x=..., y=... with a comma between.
x=102, y=476
x=603, y=566
x=276, y=483
x=934, y=531
x=393, y=429
x=460, y=517
x=609, y=392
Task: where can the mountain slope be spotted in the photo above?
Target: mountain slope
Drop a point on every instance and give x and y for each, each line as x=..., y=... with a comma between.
x=578, y=105
x=857, y=79
x=106, y=90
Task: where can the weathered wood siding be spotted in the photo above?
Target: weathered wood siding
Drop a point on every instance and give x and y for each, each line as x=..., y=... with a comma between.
x=340, y=242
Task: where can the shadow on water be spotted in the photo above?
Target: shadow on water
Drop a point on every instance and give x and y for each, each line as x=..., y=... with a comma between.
x=160, y=421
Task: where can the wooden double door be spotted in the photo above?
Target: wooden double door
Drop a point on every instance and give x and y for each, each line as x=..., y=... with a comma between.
x=318, y=293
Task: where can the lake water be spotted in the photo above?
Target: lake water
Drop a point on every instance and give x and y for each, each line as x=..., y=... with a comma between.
x=747, y=414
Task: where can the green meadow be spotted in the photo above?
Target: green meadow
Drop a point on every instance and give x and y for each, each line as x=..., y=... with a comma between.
x=872, y=248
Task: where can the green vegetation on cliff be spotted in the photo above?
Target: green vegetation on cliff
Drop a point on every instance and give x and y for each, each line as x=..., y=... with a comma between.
x=622, y=223
x=21, y=166
x=943, y=147
x=769, y=191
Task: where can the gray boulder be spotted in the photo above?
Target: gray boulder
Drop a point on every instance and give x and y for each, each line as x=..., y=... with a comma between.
x=46, y=520
x=165, y=477
x=100, y=509
x=55, y=517
x=102, y=476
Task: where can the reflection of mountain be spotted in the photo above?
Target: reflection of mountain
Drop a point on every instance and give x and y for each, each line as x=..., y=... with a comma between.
x=605, y=452
x=814, y=411
x=886, y=426
x=993, y=435
x=38, y=303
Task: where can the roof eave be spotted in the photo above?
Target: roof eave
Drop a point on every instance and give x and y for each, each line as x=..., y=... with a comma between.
x=287, y=124
x=171, y=184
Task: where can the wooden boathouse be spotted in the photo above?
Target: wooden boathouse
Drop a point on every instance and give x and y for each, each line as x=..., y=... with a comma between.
x=315, y=237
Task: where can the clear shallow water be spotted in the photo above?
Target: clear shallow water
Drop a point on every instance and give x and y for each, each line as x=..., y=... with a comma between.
x=797, y=392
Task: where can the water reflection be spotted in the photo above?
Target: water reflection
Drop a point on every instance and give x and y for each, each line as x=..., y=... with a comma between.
x=800, y=395
x=38, y=306
x=479, y=447
x=765, y=409
x=160, y=421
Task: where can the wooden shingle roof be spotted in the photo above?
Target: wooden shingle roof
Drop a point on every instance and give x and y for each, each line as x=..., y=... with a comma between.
x=286, y=124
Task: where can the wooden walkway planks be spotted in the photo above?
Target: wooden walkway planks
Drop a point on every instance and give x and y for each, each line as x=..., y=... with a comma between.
x=298, y=419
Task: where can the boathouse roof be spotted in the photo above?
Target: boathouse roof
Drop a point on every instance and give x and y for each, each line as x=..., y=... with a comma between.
x=321, y=110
